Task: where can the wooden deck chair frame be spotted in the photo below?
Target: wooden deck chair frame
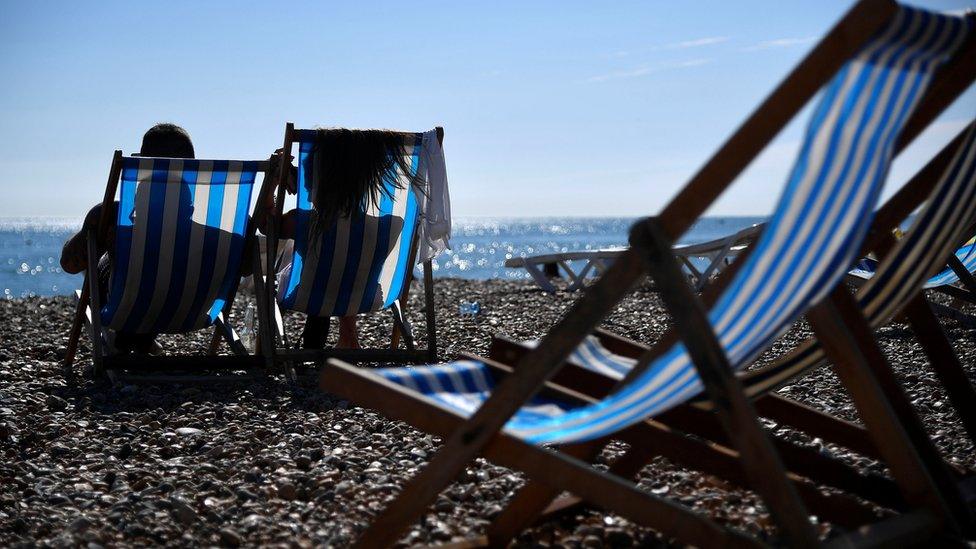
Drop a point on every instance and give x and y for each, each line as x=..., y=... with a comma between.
x=799, y=460
x=962, y=294
x=813, y=465
x=276, y=342
x=841, y=330
x=141, y=368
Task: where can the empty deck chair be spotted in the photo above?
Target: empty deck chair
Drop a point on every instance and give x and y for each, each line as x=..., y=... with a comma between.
x=955, y=280
x=717, y=253
x=362, y=265
x=884, y=56
x=594, y=367
x=965, y=255
x=180, y=243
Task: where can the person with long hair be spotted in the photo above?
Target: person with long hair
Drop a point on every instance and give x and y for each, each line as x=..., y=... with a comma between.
x=351, y=169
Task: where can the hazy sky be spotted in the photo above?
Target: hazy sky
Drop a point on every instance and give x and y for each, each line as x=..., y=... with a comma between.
x=550, y=108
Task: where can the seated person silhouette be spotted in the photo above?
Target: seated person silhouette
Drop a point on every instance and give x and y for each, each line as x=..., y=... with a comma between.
x=163, y=141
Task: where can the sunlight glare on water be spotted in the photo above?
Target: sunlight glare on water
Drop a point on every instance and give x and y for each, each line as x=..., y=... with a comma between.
x=30, y=248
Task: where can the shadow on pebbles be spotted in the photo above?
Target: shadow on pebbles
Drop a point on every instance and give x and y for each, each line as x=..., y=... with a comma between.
x=86, y=463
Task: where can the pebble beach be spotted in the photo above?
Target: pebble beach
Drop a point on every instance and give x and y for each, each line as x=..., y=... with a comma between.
x=85, y=463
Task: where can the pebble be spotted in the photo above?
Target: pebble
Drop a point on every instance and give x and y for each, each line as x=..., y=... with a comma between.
x=183, y=512
x=286, y=490
x=56, y=403
x=230, y=538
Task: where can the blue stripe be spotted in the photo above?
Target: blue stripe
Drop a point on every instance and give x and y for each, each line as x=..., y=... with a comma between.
x=354, y=251
x=406, y=237
x=842, y=260
x=787, y=284
x=153, y=223
x=211, y=238
x=467, y=374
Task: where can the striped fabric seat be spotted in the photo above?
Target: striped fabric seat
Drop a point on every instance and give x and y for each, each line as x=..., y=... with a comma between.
x=966, y=255
x=362, y=263
x=812, y=237
x=592, y=355
x=904, y=270
x=463, y=385
x=179, y=242
x=951, y=206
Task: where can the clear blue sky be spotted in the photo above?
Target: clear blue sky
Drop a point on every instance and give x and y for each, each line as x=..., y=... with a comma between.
x=550, y=108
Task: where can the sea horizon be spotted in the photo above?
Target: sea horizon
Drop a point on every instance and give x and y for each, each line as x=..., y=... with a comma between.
x=30, y=246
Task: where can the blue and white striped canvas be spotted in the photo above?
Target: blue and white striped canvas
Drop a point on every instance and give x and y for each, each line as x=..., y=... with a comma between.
x=812, y=237
x=949, y=211
x=362, y=263
x=179, y=242
x=966, y=254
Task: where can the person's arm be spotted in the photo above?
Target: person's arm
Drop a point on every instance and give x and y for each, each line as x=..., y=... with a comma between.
x=74, y=254
x=264, y=209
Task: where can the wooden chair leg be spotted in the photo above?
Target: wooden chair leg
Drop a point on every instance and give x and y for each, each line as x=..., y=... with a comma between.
x=762, y=464
x=429, y=311
x=95, y=304
x=919, y=470
x=944, y=361
x=395, y=337
x=531, y=501
x=651, y=439
x=214, y=345
x=224, y=331
x=76, y=325
x=402, y=325
x=263, y=295
x=817, y=424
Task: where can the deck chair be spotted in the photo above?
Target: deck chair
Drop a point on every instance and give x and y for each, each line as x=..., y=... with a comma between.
x=955, y=280
x=594, y=368
x=879, y=62
x=180, y=239
x=717, y=254
x=360, y=266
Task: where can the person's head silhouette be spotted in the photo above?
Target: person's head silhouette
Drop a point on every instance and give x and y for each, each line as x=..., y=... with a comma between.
x=167, y=141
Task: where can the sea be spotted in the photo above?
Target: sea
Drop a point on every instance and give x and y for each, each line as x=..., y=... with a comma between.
x=30, y=247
